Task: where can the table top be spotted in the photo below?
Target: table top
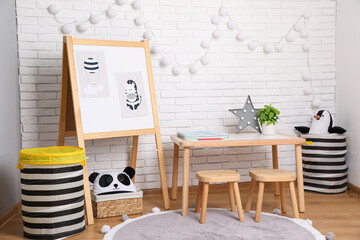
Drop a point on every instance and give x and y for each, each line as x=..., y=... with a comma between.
x=242, y=139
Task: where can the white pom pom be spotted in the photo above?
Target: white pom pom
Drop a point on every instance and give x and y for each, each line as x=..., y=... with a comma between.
x=304, y=33
x=231, y=25
x=223, y=11
x=104, y=229
x=241, y=36
x=205, y=60
x=279, y=47
x=194, y=68
x=205, y=43
x=290, y=37
x=139, y=21
x=82, y=27
x=54, y=9
x=307, y=90
x=306, y=76
x=177, y=70
x=215, y=19
x=122, y=2
x=298, y=27
x=316, y=103
x=307, y=14
x=95, y=19
x=165, y=61
x=148, y=35
x=309, y=222
x=268, y=47
x=277, y=211
x=124, y=217
x=155, y=210
x=306, y=46
x=217, y=34
x=330, y=236
x=67, y=28
x=252, y=45
x=137, y=4
x=156, y=49
x=111, y=12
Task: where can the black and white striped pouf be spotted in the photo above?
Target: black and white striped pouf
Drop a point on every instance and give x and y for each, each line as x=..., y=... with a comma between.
x=324, y=166
x=52, y=199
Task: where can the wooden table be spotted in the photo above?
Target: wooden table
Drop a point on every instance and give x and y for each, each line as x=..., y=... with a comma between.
x=237, y=140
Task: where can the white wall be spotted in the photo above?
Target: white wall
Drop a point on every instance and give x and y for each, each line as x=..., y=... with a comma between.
x=9, y=108
x=348, y=80
x=199, y=101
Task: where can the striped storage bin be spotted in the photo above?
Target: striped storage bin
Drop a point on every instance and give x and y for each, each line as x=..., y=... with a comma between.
x=52, y=192
x=324, y=166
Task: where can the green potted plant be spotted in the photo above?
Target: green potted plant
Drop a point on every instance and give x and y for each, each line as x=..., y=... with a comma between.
x=268, y=116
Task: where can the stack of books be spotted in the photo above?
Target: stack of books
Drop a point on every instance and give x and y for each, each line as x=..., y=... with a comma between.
x=202, y=135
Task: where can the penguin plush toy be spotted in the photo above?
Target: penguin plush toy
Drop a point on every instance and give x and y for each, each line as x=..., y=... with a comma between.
x=321, y=124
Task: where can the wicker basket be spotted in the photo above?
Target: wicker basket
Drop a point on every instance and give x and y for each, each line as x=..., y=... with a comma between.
x=117, y=204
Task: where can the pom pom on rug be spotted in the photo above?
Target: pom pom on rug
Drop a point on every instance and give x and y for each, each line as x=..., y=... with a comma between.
x=309, y=221
x=155, y=210
x=124, y=217
x=277, y=211
x=330, y=236
x=193, y=205
x=105, y=229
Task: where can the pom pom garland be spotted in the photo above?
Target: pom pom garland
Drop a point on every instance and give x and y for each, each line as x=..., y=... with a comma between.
x=279, y=47
x=148, y=35
x=306, y=76
x=111, y=12
x=194, y=68
x=307, y=91
x=307, y=14
x=232, y=25
x=306, y=46
x=82, y=27
x=290, y=37
x=94, y=19
x=205, y=43
x=268, y=47
x=67, y=28
x=304, y=33
x=177, y=70
x=156, y=49
x=217, y=34
x=122, y=2
x=165, y=61
x=137, y=4
x=316, y=103
x=205, y=60
x=298, y=27
x=104, y=229
x=252, y=45
x=54, y=9
x=139, y=21
x=223, y=11
x=241, y=36
x=215, y=19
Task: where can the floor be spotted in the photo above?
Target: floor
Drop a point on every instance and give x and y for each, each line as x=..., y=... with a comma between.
x=338, y=213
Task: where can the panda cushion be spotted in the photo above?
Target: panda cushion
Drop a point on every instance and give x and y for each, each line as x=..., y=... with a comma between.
x=113, y=182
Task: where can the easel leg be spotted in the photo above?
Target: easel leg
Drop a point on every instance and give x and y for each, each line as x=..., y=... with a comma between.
x=134, y=153
x=88, y=206
x=162, y=171
x=275, y=166
x=300, y=178
x=175, y=172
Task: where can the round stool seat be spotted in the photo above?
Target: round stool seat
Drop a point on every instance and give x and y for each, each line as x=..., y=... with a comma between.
x=217, y=176
x=272, y=175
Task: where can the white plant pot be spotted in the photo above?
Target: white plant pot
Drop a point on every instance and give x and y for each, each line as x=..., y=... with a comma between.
x=268, y=129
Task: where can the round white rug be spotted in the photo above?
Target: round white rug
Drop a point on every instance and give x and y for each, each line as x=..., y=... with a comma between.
x=220, y=224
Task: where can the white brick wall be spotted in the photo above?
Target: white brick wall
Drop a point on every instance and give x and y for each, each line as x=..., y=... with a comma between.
x=196, y=102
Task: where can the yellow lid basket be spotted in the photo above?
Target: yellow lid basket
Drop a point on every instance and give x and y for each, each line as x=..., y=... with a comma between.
x=52, y=156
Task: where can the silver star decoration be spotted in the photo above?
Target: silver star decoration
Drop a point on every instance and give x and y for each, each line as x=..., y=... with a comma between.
x=247, y=115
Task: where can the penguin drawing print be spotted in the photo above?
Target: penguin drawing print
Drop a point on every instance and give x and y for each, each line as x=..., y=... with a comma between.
x=322, y=124
x=133, y=99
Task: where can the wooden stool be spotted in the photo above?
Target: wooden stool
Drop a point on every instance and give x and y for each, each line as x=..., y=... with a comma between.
x=271, y=175
x=217, y=176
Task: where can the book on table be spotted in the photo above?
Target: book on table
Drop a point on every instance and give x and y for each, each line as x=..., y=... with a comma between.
x=202, y=135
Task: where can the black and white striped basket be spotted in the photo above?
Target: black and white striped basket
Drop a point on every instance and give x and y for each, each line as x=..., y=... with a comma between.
x=324, y=166
x=52, y=200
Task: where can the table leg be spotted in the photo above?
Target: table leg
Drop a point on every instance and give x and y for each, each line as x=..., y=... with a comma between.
x=185, y=188
x=300, y=179
x=275, y=166
x=175, y=172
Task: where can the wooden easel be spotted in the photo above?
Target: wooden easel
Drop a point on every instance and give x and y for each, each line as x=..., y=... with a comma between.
x=70, y=115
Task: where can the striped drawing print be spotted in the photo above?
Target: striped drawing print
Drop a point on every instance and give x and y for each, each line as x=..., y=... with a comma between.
x=52, y=201
x=324, y=166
